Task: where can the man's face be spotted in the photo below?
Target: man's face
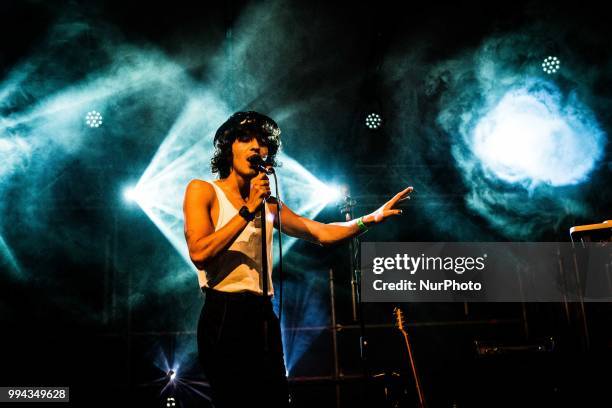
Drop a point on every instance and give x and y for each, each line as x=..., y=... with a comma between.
x=243, y=148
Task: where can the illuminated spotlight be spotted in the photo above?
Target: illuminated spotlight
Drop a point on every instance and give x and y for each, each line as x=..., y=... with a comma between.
x=551, y=65
x=179, y=160
x=93, y=119
x=373, y=121
x=170, y=402
x=530, y=137
x=327, y=194
x=130, y=194
x=171, y=375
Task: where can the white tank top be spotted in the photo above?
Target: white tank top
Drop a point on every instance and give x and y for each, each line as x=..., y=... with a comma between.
x=237, y=269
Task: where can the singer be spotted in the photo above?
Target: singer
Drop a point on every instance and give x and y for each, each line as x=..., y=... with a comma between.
x=239, y=337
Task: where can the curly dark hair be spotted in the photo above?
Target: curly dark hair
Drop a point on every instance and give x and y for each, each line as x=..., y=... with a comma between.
x=244, y=125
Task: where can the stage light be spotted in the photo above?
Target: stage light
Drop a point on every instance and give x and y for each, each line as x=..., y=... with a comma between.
x=130, y=194
x=171, y=375
x=170, y=402
x=373, y=120
x=325, y=194
x=531, y=138
x=93, y=119
x=551, y=65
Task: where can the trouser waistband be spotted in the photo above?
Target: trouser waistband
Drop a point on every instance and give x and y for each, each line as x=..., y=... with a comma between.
x=244, y=297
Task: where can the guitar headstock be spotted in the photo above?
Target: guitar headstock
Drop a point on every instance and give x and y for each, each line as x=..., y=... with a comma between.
x=399, y=318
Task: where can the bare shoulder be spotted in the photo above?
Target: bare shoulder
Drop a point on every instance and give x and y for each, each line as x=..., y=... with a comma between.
x=200, y=189
x=198, y=184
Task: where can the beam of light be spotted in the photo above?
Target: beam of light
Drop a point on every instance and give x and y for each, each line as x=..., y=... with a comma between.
x=52, y=126
x=7, y=254
x=185, y=154
x=52, y=115
x=71, y=104
x=174, y=377
x=304, y=193
x=526, y=143
x=524, y=147
x=44, y=129
x=529, y=137
x=14, y=79
x=328, y=194
x=161, y=188
x=191, y=386
x=169, y=364
x=15, y=154
x=307, y=311
x=169, y=384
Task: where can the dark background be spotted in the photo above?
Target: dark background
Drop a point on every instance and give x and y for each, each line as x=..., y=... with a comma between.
x=95, y=297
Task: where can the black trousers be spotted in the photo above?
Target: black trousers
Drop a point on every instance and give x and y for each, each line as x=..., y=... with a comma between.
x=240, y=349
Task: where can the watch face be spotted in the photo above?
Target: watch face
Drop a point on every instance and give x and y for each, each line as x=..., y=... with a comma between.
x=244, y=212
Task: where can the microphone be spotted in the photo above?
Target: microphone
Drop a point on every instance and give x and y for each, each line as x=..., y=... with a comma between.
x=258, y=163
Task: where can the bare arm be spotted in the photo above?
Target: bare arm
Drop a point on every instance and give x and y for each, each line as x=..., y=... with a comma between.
x=328, y=234
x=203, y=241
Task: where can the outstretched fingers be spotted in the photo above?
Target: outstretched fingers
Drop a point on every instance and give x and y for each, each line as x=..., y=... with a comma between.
x=401, y=196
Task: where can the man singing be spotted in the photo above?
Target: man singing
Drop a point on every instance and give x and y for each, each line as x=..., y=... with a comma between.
x=239, y=337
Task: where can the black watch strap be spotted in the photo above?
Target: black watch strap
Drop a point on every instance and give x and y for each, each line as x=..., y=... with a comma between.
x=246, y=214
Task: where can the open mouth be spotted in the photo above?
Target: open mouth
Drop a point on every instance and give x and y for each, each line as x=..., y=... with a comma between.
x=253, y=160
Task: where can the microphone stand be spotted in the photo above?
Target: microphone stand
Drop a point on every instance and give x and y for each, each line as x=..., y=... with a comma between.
x=264, y=263
x=264, y=274
x=258, y=164
x=346, y=209
x=265, y=283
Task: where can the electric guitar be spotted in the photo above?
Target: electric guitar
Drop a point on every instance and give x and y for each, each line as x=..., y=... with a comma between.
x=400, y=322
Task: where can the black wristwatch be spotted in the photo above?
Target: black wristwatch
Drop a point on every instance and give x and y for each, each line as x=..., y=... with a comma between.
x=246, y=214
